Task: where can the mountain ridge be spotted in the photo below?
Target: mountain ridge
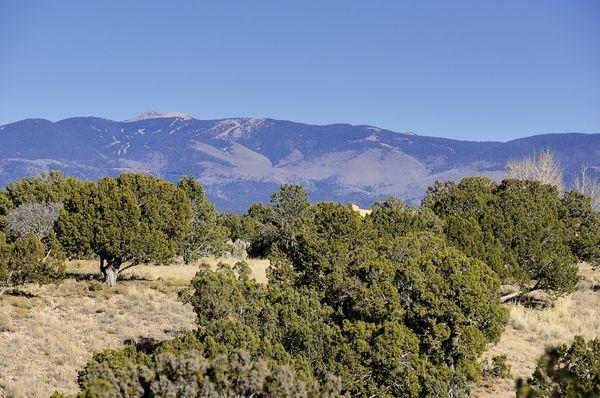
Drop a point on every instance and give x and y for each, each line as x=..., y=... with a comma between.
x=242, y=160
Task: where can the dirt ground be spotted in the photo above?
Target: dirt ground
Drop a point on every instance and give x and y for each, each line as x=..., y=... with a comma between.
x=48, y=333
x=530, y=331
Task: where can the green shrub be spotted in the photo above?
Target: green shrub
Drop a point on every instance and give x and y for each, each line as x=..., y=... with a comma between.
x=114, y=362
x=5, y=206
x=567, y=371
x=29, y=260
x=95, y=285
x=498, y=368
x=276, y=224
x=392, y=217
x=582, y=227
x=204, y=236
x=190, y=374
x=412, y=313
x=519, y=228
x=348, y=309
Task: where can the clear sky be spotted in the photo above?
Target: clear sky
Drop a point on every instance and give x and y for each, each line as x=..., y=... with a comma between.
x=483, y=70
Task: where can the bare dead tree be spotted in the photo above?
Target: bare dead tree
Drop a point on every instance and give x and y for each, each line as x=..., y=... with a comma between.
x=35, y=218
x=238, y=249
x=588, y=185
x=543, y=167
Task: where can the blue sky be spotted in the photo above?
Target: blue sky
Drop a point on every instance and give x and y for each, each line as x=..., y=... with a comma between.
x=483, y=70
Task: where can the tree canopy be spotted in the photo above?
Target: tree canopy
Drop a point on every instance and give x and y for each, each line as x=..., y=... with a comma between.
x=401, y=302
x=204, y=236
x=275, y=224
x=29, y=260
x=519, y=228
x=403, y=316
x=131, y=219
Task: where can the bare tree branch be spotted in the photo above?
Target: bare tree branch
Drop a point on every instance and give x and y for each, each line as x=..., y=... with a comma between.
x=543, y=167
x=35, y=218
x=588, y=185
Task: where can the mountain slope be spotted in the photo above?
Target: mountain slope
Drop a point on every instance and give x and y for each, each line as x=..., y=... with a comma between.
x=242, y=160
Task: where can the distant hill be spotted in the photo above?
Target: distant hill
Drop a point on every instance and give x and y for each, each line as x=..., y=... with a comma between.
x=242, y=160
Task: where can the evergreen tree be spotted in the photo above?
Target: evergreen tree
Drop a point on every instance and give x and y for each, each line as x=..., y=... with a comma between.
x=28, y=260
x=73, y=230
x=405, y=316
x=516, y=227
x=204, y=236
x=5, y=206
x=392, y=217
x=582, y=227
x=47, y=187
x=125, y=221
x=276, y=223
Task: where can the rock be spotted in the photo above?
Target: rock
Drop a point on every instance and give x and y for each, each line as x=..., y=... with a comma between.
x=509, y=289
x=536, y=299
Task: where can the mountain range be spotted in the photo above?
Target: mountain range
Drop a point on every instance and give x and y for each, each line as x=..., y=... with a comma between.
x=241, y=161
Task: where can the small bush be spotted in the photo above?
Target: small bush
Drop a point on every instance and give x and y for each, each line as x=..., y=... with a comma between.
x=95, y=285
x=169, y=372
x=29, y=260
x=567, y=371
x=497, y=368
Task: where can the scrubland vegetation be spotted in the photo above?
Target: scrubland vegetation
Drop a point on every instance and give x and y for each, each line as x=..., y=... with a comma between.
x=403, y=301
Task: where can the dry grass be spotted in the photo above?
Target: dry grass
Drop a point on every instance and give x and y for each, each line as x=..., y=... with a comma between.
x=530, y=331
x=177, y=274
x=48, y=333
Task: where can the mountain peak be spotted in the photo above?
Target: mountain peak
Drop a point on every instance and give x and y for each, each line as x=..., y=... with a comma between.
x=156, y=115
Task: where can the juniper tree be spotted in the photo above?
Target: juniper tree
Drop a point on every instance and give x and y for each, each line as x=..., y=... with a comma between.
x=582, y=227
x=5, y=206
x=73, y=231
x=44, y=188
x=28, y=260
x=392, y=217
x=128, y=220
x=371, y=299
x=203, y=235
x=239, y=227
x=276, y=222
x=407, y=316
x=168, y=373
x=519, y=229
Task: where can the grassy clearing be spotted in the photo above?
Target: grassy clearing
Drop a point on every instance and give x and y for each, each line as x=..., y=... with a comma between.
x=178, y=274
x=530, y=331
x=48, y=333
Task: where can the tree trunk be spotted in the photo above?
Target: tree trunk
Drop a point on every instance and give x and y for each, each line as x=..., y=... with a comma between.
x=508, y=297
x=4, y=288
x=111, y=273
x=102, y=270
